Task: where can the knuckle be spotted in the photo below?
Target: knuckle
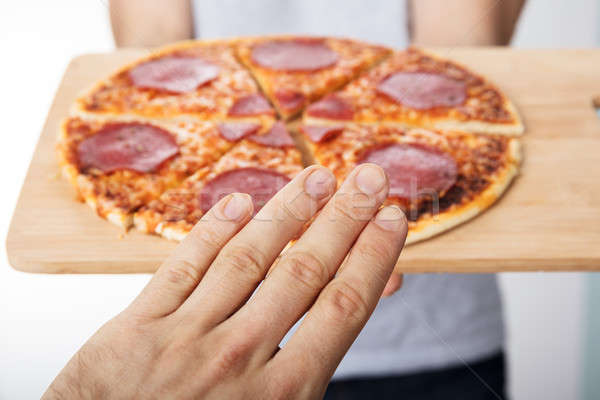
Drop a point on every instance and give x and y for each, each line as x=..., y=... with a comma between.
x=297, y=208
x=379, y=256
x=355, y=206
x=343, y=302
x=280, y=384
x=231, y=357
x=174, y=348
x=344, y=210
x=306, y=268
x=374, y=251
x=183, y=272
x=246, y=261
x=208, y=238
x=281, y=389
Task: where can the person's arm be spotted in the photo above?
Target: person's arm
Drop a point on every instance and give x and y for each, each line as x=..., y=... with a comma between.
x=463, y=22
x=202, y=329
x=145, y=23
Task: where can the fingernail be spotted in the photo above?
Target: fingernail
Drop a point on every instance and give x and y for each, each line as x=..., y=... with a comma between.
x=389, y=289
x=319, y=184
x=370, y=179
x=237, y=206
x=390, y=218
x=392, y=285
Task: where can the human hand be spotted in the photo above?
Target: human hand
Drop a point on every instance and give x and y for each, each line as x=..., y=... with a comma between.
x=197, y=329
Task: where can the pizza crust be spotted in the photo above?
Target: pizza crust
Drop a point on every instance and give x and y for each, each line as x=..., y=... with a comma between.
x=104, y=209
x=173, y=233
x=426, y=228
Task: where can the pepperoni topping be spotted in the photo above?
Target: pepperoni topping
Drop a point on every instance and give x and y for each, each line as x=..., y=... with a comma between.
x=261, y=184
x=298, y=55
x=234, y=131
x=133, y=146
x=423, y=90
x=173, y=74
x=414, y=170
x=277, y=136
x=253, y=104
x=289, y=100
x=321, y=133
x=331, y=107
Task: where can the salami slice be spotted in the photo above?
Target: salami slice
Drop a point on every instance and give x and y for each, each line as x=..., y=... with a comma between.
x=321, y=133
x=131, y=146
x=289, y=100
x=277, y=136
x=261, y=184
x=174, y=74
x=294, y=55
x=423, y=90
x=253, y=104
x=414, y=170
x=331, y=107
x=234, y=131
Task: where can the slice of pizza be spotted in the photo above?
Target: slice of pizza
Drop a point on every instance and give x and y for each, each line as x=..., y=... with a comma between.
x=414, y=88
x=201, y=80
x=259, y=164
x=118, y=166
x=295, y=71
x=440, y=179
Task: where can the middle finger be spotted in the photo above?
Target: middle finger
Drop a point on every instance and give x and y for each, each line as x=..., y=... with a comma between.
x=309, y=265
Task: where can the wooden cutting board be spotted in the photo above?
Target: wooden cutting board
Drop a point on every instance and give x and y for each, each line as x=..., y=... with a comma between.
x=548, y=220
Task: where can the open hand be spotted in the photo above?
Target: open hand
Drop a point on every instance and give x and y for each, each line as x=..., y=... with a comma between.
x=197, y=329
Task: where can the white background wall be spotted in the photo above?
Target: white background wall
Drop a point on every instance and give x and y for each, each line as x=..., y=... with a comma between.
x=44, y=319
x=558, y=23
x=544, y=312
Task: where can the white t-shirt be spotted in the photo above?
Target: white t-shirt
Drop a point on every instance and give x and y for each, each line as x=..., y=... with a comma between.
x=378, y=21
x=435, y=320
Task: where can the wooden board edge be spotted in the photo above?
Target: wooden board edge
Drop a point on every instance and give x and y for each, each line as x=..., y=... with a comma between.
x=14, y=260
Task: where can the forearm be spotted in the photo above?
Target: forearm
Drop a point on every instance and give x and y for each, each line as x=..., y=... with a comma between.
x=144, y=23
x=463, y=22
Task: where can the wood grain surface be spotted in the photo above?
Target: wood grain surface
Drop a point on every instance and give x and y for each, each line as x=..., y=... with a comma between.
x=548, y=220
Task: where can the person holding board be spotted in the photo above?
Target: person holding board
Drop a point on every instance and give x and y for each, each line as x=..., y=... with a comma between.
x=440, y=337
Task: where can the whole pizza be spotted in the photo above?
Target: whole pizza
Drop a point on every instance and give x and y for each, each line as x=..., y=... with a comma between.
x=157, y=143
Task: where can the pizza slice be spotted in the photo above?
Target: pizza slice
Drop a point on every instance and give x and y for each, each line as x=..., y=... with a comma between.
x=118, y=166
x=259, y=164
x=201, y=80
x=295, y=71
x=440, y=179
x=414, y=88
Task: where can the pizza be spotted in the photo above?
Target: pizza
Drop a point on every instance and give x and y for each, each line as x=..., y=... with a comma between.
x=414, y=88
x=161, y=140
x=259, y=164
x=295, y=71
x=439, y=179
